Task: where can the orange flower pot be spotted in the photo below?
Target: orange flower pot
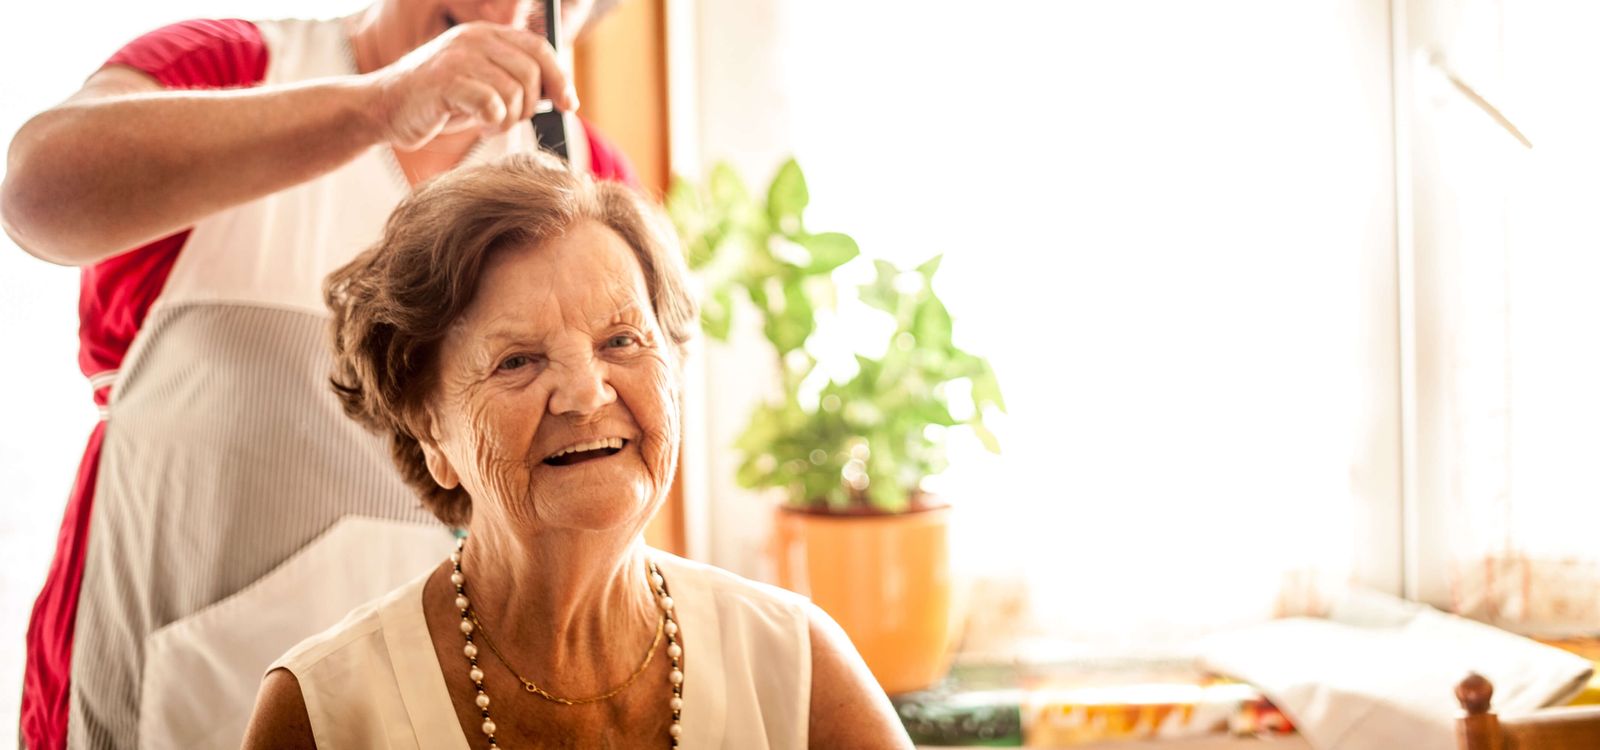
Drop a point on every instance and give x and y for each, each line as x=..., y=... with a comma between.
x=885, y=579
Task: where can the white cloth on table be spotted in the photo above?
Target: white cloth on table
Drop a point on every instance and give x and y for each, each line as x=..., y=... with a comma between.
x=1380, y=673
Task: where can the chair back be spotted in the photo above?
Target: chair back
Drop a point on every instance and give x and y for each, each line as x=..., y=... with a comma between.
x=1569, y=728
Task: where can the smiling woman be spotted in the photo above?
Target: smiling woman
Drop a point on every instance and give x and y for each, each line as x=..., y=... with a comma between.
x=563, y=411
x=518, y=334
x=435, y=315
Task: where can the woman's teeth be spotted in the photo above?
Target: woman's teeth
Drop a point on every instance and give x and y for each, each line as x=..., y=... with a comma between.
x=581, y=451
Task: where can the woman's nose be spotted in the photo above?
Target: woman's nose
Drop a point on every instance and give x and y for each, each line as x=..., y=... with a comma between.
x=581, y=389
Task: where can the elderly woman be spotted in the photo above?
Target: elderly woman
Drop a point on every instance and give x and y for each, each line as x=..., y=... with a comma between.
x=519, y=334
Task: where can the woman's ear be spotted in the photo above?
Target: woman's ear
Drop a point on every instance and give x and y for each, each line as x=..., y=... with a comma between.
x=439, y=466
x=438, y=463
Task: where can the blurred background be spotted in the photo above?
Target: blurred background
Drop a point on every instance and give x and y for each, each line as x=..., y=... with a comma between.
x=1285, y=299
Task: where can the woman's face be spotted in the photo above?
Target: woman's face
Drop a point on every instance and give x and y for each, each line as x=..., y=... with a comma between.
x=557, y=401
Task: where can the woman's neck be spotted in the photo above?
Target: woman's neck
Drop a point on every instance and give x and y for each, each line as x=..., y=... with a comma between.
x=383, y=33
x=559, y=601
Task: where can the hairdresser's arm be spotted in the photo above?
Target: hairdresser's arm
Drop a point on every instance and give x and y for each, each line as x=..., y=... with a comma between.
x=123, y=162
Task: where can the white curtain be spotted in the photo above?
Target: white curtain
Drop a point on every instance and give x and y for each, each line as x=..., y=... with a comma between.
x=1508, y=261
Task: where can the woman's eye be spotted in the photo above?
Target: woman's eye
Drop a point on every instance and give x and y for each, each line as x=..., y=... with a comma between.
x=621, y=340
x=515, y=362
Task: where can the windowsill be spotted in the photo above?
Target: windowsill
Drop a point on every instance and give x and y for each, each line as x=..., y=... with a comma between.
x=1221, y=742
x=1160, y=703
x=1088, y=703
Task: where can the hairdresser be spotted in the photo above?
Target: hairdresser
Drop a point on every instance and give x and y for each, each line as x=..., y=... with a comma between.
x=206, y=179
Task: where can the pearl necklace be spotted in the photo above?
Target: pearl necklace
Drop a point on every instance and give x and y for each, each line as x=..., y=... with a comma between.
x=663, y=598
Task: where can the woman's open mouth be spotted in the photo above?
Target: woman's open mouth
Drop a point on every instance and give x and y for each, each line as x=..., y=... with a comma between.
x=586, y=451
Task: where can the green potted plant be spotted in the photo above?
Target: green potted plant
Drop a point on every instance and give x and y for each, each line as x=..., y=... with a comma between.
x=857, y=532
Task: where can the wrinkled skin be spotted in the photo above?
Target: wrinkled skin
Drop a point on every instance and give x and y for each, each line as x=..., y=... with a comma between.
x=559, y=346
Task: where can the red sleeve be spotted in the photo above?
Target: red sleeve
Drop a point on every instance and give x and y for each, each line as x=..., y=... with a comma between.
x=606, y=161
x=199, y=54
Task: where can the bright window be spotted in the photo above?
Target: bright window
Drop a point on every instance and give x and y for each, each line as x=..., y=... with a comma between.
x=1164, y=223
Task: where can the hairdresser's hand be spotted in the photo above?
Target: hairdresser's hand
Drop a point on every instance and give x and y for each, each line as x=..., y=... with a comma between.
x=477, y=75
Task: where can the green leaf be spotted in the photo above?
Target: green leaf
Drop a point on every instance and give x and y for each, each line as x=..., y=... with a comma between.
x=932, y=324
x=822, y=292
x=699, y=252
x=793, y=323
x=887, y=497
x=787, y=199
x=931, y=410
x=683, y=205
x=881, y=293
x=751, y=477
x=756, y=287
x=716, y=315
x=868, y=370
x=760, y=265
x=829, y=250
x=885, y=492
x=986, y=389
x=741, y=245
x=764, y=428
x=819, y=483
x=728, y=193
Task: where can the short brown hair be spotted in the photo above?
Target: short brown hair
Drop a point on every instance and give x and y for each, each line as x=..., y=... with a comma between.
x=394, y=303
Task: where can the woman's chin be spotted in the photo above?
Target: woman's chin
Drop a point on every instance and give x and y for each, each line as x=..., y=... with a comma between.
x=596, y=501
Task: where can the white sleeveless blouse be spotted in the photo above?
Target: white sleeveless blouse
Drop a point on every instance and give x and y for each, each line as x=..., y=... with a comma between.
x=373, y=680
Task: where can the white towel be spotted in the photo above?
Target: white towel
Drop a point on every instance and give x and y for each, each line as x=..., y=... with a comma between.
x=1380, y=673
